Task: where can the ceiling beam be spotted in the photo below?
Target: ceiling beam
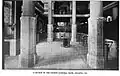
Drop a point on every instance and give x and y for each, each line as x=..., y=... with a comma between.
x=57, y=15
x=39, y=6
x=109, y=6
x=78, y=15
x=83, y=15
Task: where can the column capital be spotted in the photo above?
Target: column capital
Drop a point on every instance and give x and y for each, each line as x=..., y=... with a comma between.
x=73, y=38
x=97, y=18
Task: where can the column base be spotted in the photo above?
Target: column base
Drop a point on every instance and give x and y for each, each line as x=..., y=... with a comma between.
x=49, y=39
x=73, y=42
x=73, y=38
x=13, y=47
x=27, y=61
x=95, y=62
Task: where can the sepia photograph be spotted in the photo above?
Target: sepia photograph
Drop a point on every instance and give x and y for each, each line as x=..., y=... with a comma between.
x=60, y=35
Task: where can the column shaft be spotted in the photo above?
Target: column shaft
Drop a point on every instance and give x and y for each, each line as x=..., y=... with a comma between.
x=11, y=16
x=96, y=9
x=95, y=57
x=28, y=8
x=27, y=56
x=73, y=38
x=50, y=26
x=74, y=12
x=13, y=41
x=15, y=20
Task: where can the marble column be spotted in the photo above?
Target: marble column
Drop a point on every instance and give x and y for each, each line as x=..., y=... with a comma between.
x=73, y=38
x=49, y=26
x=27, y=57
x=12, y=41
x=15, y=20
x=95, y=56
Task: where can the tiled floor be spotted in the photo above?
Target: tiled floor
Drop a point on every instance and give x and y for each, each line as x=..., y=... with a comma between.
x=55, y=56
x=11, y=62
